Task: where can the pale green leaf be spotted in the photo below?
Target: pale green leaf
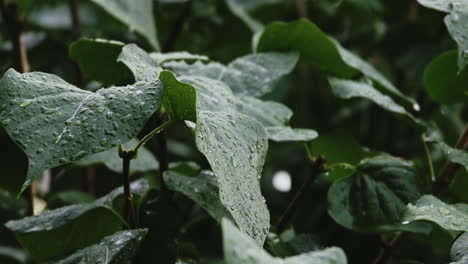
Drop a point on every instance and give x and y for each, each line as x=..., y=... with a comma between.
x=429, y=208
x=136, y=14
x=266, y=112
x=160, y=58
x=143, y=67
x=459, y=251
x=202, y=189
x=374, y=198
x=239, y=248
x=55, y=123
x=118, y=248
x=284, y=134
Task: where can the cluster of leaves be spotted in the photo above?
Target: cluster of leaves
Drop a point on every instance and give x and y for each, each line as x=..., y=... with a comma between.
x=217, y=128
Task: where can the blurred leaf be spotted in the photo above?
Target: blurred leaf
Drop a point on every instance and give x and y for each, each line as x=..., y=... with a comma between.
x=285, y=134
x=67, y=122
x=66, y=198
x=239, y=248
x=97, y=59
x=443, y=82
x=315, y=46
x=202, y=189
x=459, y=251
x=143, y=67
x=10, y=255
x=137, y=15
x=118, y=248
x=11, y=206
x=160, y=58
x=429, y=208
x=144, y=161
x=374, y=198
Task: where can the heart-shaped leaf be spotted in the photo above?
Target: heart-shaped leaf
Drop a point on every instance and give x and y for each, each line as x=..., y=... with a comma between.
x=54, y=122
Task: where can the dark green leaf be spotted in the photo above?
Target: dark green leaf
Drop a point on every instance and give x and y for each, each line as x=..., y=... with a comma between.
x=443, y=82
x=55, y=123
x=374, y=198
x=10, y=255
x=66, y=198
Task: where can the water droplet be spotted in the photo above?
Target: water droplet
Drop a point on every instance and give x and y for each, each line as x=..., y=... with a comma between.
x=103, y=141
x=6, y=122
x=444, y=211
x=25, y=103
x=101, y=109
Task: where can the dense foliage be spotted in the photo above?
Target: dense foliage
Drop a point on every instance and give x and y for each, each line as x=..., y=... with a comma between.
x=162, y=131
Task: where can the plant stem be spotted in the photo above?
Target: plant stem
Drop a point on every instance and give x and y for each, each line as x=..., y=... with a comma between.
x=429, y=160
x=127, y=156
x=178, y=27
x=317, y=166
x=301, y=8
x=386, y=252
x=155, y=131
x=75, y=18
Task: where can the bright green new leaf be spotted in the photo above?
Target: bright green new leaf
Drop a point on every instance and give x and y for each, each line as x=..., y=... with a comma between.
x=239, y=248
x=374, y=198
x=285, y=134
x=97, y=59
x=180, y=99
x=136, y=14
x=429, y=208
x=347, y=89
x=54, y=122
x=459, y=251
x=443, y=81
x=144, y=161
x=118, y=248
x=202, y=189
x=59, y=227
x=250, y=75
x=318, y=48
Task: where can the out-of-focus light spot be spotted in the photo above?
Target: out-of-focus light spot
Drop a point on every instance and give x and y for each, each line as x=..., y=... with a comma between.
x=282, y=181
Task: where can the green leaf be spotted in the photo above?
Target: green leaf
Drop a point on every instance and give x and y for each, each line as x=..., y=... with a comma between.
x=238, y=173
x=239, y=248
x=202, y=189
x=251, y=75
x=55, y=123
x=10, y=206
x=72, y=227
x=10, y=255
x=374, y=198
x=266, y=112
x=66, y=198
x=452, y=154
x=347, y=89
x=429, y=208
x=241, y=9
x=144, y=161
x=180, y=98
x=143, y=67
x=321, y=50
x=443, y=82
x=138, y=15
x=160, y=58
x=284, y=134
x=118, y=248
x=97, y=59
x=459, y=251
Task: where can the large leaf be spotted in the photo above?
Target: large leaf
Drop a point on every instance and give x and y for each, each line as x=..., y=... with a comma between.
x=374, y=198
x=443, y=82
x=202, y=189
x=318, y=48
x=459, y=251
x=285, y=134
x=137, y=14
x=54, y=122
x=97, y=59
x=347, y=89
x=239, y=248
x=429, y=208
x=143, y=67
x=144, y=161
x=72, y=227
x=118, y=248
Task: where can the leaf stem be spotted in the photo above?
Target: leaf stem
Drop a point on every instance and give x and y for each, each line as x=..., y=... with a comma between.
x=152, y=133
x=317, y=166
x=429, y=161
x=127, y=156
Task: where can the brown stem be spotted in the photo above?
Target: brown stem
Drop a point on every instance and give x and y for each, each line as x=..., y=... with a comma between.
x=161, y=153
x=301, y=8
x=75, y=18
x=178, y=27
x=317, y=166
x=130, y=214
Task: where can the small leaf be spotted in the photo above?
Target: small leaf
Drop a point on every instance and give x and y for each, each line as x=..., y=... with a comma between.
x=137, y=14
x=55, y=123
x=374, y=198
x=429, y=208
x=321, y=50
x=97, y=59
x=144, y=161
x=180, y=99
x=443, y=82
x=284, y=134
x=347, y=89
x=239, y=248
x=202, y=189
x=118, y=248
x=459, y=251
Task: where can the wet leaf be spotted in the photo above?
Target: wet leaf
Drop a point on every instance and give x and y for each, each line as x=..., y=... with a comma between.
x=55, y=123
x=137, y=15
x=429, y=208
x=118, y=248
x=239, y=248
x=459, y=251
x=374, y=198
x=284, y=134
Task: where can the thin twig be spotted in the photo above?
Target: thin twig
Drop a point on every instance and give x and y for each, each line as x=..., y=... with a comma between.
x=317, y=166
x=157, y=130
x=75, y=18
x=178, y=27
x=127, y=156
